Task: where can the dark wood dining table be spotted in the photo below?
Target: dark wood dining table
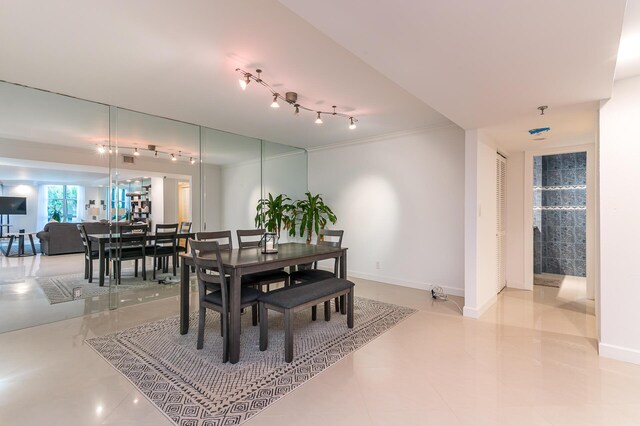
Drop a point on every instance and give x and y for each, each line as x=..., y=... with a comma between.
x=103, y=239
x=239, y=262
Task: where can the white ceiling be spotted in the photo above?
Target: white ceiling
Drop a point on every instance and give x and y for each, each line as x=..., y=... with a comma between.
x=483, y=64
x=178, y=60
x=628, y=64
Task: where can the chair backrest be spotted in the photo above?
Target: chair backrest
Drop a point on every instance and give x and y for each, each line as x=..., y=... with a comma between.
x=127, y=229
x=166, y=235
x=184, y=228
x=85, y=238
x=330, y=237
x=223, y=238
x=249, y=237
x=209, y=268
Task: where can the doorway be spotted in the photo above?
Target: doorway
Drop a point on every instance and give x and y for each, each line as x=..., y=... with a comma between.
x=184, y=202
x=559, y=218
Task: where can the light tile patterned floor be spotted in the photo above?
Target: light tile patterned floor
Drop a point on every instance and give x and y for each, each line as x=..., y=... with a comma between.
x=531, y=359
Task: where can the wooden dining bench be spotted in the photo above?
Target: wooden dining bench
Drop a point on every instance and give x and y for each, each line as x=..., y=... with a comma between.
x=288, y=300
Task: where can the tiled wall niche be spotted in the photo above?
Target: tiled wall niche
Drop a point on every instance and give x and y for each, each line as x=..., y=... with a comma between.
x=559, y=202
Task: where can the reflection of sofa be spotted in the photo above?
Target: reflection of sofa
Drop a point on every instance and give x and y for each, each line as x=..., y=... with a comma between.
x=64, y=238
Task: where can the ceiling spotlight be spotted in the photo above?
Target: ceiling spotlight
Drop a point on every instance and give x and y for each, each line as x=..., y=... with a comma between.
x=101, y=149
x=110, y=150
x=275, y=103
x=244, y=82
x=352, y=125
x=156, y=154
x=135, y=152
x=297, y=111
x=173, y=158
x=318, y=120
x=542, y=108
x=192, y=161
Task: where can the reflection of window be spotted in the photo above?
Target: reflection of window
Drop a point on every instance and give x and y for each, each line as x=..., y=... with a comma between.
x=62, y=202
x=118, y=199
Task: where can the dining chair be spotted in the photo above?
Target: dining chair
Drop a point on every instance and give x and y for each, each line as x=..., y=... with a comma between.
x=183, y=228
x=89, y=254
x=164, y=247
x=250, y=238
x=223, y=238
x=306, y=273
x=213, y=290
x=129, y=229
x=134, y=247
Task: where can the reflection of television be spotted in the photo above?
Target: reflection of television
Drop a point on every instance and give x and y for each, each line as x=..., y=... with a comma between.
x=13, y=205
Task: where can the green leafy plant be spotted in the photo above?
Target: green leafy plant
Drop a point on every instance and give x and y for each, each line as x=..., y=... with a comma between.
x=56, y=215
x=272, y=213
x=310, y=215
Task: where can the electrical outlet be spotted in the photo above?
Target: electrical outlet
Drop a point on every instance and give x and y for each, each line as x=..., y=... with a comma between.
x=377, y=264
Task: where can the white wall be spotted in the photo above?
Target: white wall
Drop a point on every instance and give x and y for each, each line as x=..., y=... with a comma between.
x=211, y=197
x=28, y=222
x=619, y=224
x=480, y=223
x=400, y=200
x=170, y=201
x=515, y=220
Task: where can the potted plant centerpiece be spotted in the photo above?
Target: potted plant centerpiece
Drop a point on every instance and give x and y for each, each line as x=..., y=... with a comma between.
x=272, y=213
x=309, y=216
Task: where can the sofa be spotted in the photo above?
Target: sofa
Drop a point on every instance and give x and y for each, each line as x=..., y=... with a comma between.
x=64, y=238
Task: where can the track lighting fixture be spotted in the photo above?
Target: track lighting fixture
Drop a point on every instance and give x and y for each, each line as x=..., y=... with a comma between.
x=137, y=151
x=290, y=98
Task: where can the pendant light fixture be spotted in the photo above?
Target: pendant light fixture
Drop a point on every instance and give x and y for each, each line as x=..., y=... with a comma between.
x=290, y=98
x=136, y=153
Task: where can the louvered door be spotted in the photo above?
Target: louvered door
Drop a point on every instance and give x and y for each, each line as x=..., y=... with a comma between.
x=501, y=177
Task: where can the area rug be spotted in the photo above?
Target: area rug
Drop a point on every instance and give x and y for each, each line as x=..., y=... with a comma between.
x=4, y=245
x=547, y=281
x=194, y=387
x=59, y=289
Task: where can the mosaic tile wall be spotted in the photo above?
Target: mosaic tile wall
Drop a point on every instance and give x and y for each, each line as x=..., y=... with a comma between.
x=560, y=198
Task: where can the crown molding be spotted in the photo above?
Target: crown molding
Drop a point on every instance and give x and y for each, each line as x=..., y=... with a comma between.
x=376, y=138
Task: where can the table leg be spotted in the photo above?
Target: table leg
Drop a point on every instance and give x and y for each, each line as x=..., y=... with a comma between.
x=343, y=275
x=234, y=316
x=33, y=246
x=184, y=297
x=21, y=245
x=11, y=238
x=101, y=261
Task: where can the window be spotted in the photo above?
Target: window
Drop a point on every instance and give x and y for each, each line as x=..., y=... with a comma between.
x=62, y=202
x=118, y=197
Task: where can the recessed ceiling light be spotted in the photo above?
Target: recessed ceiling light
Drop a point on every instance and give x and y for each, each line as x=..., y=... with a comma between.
x=539, y=139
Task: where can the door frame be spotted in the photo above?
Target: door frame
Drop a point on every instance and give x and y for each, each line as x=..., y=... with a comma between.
x=591, y=245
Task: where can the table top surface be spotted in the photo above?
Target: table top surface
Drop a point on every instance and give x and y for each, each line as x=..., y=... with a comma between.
x=17, y=234
x=287, y=251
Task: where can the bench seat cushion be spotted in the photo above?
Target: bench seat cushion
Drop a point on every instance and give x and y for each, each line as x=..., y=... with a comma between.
x=296, y=295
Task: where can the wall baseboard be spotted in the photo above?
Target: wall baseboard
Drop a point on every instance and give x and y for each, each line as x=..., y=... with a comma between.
x=471, y=312
x=619, y=353
x=405, y=283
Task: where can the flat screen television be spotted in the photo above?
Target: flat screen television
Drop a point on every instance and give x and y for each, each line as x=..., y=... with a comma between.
x=13, y=205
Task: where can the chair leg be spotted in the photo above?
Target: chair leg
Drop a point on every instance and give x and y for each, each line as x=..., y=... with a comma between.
x=337, y=304
x=90, y=271
x=221, y=324
x=201, y=319
x=155, y=261
x=327, y=310
x=288, y=335
x=144, y=268
x=350, y=308
x=165, y=264
x=135, y=266
x=264, y=327
x=314, y=313
x=106, y=267
x=86, y=268
x=254, y=315
x=343, y=305
x=175, y=262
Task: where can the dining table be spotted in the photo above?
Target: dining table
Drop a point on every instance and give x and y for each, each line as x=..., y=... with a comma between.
x=103, y=239
x=245, y=261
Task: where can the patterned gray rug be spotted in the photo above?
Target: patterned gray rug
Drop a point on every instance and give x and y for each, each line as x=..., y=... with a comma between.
x=194, y=387
x=59, y=289
x=547, y=281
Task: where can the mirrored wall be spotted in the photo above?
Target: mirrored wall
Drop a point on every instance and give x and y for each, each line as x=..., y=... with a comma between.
x=108, y=169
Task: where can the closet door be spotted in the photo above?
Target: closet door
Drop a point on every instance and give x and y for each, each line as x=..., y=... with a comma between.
x=501, y=177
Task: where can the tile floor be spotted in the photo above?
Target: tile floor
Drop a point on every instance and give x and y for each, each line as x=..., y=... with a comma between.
x=531, y=359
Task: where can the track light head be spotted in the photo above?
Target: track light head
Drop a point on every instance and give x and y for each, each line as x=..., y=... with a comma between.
x=173, y=158
x=101, y=149
x=135, y=152
x=244, y=82
x=275, y=103
x=192, y=161
x=353, y=124
x=297, y=111
x=318, y=120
